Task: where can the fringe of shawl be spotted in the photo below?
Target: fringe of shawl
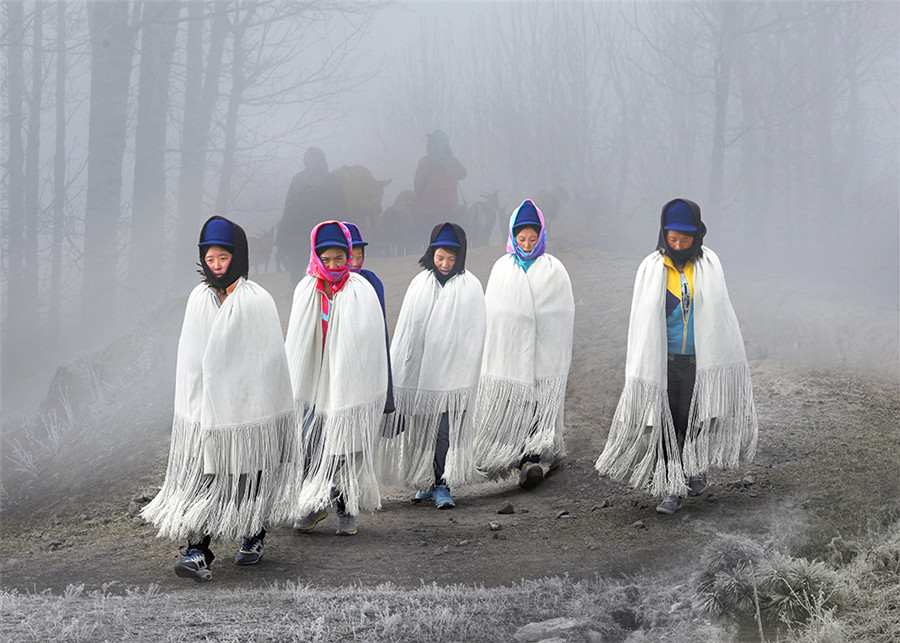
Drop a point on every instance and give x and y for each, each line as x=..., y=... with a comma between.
x=337, y=459
x=642, y=433
x=405, y=449
x=723, y=429
x=514, y=419
x=247, y=493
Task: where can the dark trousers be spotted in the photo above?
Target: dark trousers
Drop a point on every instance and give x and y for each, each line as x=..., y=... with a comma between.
x=681, y=373
x=440, y=449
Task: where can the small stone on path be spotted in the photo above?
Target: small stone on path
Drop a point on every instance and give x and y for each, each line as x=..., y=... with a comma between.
x=506, y=509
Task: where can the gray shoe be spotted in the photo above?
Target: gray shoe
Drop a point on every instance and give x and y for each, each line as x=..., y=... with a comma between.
x=530, y=475
x=346, y=525
x=309, y=521
x=697, y=484
x=669, y=505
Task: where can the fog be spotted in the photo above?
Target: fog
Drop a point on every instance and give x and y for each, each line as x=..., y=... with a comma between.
x=126, y=125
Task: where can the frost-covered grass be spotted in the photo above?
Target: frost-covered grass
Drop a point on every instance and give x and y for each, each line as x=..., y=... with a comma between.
x=740, y=591
x=850, y=593
x=605, y=610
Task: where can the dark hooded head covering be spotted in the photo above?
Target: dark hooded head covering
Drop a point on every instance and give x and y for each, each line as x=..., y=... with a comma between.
x=219, y=231
x=682, y=215
x=443, y=236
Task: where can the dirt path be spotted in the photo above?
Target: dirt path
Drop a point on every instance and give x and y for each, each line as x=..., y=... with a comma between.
x=825, y=436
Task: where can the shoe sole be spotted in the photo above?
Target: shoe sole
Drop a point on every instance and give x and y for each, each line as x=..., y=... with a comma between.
x=666, y=511
x=346, y=533
x=534, y=475
x=700, y=491
x=446, y=505
x=197, y=575
x=318, y=519
x=247, y=561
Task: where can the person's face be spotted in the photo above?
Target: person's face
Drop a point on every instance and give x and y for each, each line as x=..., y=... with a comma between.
x=527, y=239
x=678, y=240
x=356, y=260
x=218, y=259
x=334, y=258
x=444, y=260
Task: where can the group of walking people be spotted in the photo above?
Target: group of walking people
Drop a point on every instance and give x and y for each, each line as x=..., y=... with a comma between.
x=270, y=428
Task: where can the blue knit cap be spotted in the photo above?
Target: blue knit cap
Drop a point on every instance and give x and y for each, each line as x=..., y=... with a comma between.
x=218, y=232
x=446, y=237
x=329, y=235
x=678, y=216
x=356, y=235
x=527, y=216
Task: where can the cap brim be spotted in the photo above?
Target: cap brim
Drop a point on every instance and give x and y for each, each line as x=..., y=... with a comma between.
x=680, y=226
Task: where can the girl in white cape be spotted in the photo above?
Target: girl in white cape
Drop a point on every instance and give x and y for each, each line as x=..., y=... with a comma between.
x=426, y=444
x=336, y=352
x=527, y=352
x=232, y=435
x=688, y=402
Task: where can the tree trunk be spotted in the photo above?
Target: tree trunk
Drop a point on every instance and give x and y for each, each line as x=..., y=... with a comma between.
x=722, y=72
x=112, y=42
x=198, y=108
x=160, y=26
x=235, y=96
x=14, y=348
x=32, y=175
x=59, y=180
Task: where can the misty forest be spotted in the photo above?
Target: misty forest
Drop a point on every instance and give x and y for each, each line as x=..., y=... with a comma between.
x=127, y=124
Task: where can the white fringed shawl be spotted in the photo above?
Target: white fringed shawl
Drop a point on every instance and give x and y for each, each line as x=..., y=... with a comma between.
x=436, y=357
x=234, y=421
x=339, y=393
x=722, y=429
x=528, y=349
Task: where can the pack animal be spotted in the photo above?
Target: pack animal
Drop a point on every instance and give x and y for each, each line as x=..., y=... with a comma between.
x=364, y=194
x=482, y=217
x=400, y=226
x=260, y=248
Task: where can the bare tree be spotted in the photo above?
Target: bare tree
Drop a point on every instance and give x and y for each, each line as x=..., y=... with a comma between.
x=201, y=93
x=59, y=179
x=112, y=45
x=159, y=25
x=17, y=297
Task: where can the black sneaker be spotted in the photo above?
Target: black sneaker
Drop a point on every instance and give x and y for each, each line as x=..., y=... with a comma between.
x=194, y=565
x=697, y=484
x=250, y=552
x=530, y=475
x=669, y=505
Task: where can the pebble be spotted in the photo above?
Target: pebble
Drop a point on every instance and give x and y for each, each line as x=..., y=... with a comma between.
x=462, y=543
x=639, y=524
x=506, y=509
x=562, y=513
x=495, y=526
x=499, y=536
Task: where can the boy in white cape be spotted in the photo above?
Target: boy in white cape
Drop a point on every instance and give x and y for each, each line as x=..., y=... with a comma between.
x=426, y=444
x=687, y=404
x=527, y=352
x=232, y=435
x=338, y=363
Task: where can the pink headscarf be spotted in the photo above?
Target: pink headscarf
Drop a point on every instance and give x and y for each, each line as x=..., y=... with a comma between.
x=316, y=268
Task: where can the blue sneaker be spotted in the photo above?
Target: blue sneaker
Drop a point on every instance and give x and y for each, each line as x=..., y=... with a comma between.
x=442, y=499
x=195, y=565
x=250, y=552
x=423, y=495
